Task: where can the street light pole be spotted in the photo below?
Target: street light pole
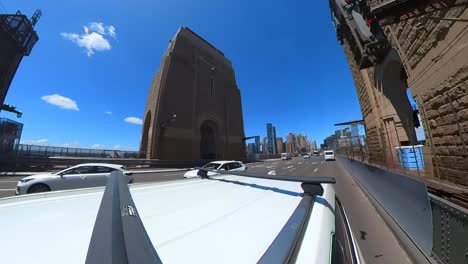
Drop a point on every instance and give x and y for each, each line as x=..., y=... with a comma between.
x=170, y=120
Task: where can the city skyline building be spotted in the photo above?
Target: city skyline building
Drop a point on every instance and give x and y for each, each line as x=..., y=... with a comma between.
x=264, y=146
x=291, y=139
x=313, y=145
x=355, y=134
x=271, y=139
x=251, y=148
x=302, y=143
x=279, y=145
x=289, y=147
x=274, y=137
x=257, y=144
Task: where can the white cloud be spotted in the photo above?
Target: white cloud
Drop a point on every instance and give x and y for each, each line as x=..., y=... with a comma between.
x=61, y=101
x=102, y=29
x=134, y=120
x=97, y=27
x=70, y=145
x=90, y=42
x=108, y=113
x=111, y=31
x=102, y=146
x=93, y=38
x=35, y=142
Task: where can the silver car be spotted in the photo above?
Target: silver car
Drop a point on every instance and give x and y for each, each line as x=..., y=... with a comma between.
x=80, y=176
x=229, y=165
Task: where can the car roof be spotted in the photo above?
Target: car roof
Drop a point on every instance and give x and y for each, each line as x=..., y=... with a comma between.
x=179, y=216
x=111, y=165
x=225, y=161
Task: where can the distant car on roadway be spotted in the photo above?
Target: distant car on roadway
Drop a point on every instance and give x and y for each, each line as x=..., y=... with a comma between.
x=229, y=165
x=285, y=156
x=329, y=154
x=316, y=153
x=306, y=156
x=81, y=176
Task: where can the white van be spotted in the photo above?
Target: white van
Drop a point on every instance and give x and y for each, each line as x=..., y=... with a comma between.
x=285, y=156
x=329, y=154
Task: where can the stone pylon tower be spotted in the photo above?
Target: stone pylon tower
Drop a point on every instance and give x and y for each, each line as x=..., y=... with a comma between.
x=196, y=84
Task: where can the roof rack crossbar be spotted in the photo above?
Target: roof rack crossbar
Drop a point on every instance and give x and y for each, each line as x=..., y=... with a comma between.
x=285, y=246
x=119, y=236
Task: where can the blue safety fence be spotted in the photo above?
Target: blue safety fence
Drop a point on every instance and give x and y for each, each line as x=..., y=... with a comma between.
x=410, y=157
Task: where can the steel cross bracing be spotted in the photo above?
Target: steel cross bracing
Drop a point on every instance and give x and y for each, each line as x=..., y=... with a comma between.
x=361, y=23
x=412, y=9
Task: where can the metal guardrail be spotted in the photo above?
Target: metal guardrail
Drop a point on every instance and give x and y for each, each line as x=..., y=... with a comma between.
x=22, y=163
x=48, y=151
x=403, y=198
x=441, y=233
x=450, y=229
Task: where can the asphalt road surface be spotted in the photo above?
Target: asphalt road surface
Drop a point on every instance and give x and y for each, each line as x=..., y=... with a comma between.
x=8, y=183
x=376, y=241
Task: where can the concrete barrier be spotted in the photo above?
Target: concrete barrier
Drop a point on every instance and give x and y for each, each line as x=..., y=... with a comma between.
x=405, y=204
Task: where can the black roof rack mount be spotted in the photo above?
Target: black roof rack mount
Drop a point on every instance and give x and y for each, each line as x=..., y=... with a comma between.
x=119, y=236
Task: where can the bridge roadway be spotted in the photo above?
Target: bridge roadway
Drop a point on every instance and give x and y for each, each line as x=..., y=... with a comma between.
x=377, y=242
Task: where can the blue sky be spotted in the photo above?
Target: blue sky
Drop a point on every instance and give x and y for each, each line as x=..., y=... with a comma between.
x=289, y=67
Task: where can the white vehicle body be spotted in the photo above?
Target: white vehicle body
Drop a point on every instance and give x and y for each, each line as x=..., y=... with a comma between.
x=316, y=153
x=329, y=155
x=285, y=156
x=225, y=219
x=81, y=176
x=306, y=156
x=229, y=165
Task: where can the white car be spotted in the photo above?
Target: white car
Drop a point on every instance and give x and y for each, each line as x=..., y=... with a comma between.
x=229, y=165
x=81, y=176
x=285, y=156
x=329, y=154
x=229, y=219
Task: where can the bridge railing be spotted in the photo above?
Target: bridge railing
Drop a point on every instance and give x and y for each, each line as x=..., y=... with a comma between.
x=450, y=231
x=49, y=151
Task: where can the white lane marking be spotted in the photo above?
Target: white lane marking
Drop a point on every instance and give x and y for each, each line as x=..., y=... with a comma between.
x=7, y=190
x=315, y=169
x=314, y=162
x=9, y=181
x=299, y=162
x=321, y=162
x=292, y=169
x=269, y=167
